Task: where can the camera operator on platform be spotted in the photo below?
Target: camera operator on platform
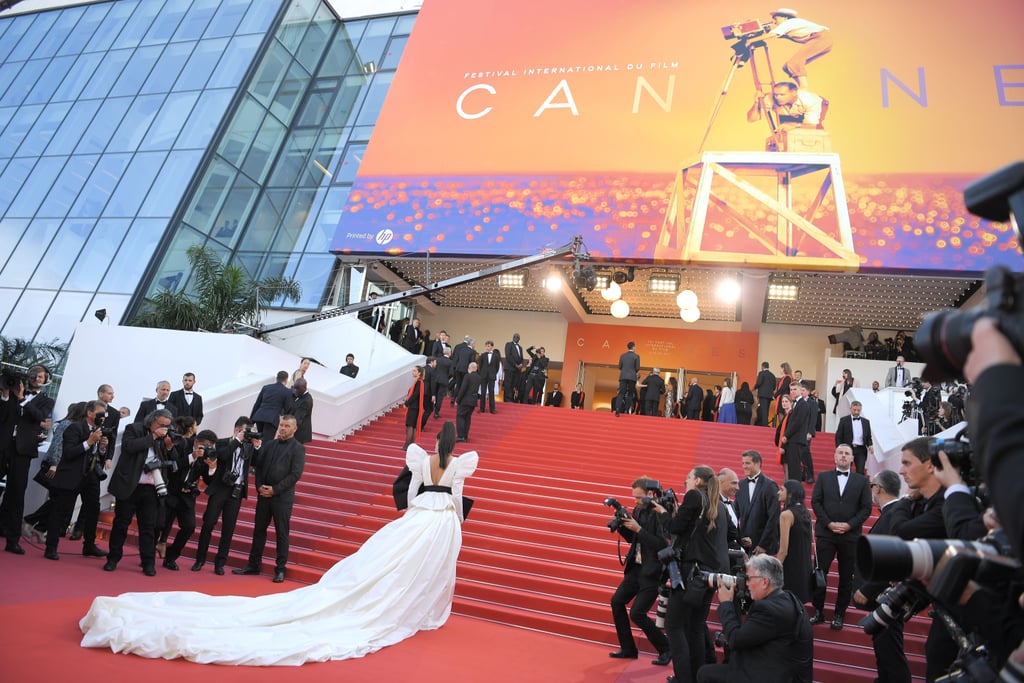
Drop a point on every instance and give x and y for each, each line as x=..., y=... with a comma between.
x=226, y=475
x=646, y=531
x=774, y=643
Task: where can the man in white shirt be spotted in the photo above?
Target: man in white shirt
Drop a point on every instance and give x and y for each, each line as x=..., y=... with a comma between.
x=814, y=40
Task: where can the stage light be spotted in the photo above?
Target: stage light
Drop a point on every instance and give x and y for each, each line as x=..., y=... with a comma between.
x=603, y=279
x=611, y=292
x=585, y=278
x=663, y=283
x=101, y=314
x=512, y=280
x=782, y=288
x=686, y=299
x=552, y=282
x=729, y=291
x=620, y=309
x=690, y=315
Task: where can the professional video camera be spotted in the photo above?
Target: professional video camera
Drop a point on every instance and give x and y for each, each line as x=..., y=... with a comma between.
x=621, y=514
x=11, y=377
x=944, y=338
x=742, y=33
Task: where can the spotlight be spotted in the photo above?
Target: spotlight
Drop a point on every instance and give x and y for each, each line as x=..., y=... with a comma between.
x=782, y=288
x=552, y=282
x=620, y=309
x=585, y=278
x=624, y=277
x=690, y=315
x=663, y=283
x=512, y=280
x=611, y=292
x=603, y=279
x=101, y=314
x=729, y=291
x=686, y=299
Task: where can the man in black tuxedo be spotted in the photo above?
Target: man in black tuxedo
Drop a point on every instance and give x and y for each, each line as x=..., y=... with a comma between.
x=28, y=417
x=350, y=369
x=270, y=404
x=898, y=376
x=555, y=397
x=890, y=657
x=302, y=408
x=629, y=375
x=774, y=642
x=490, y=364
x=412, y=337
x=795, y=438
x=82, y=445
x=764, y=387
x=653, y=388
x=440, y=343
x=513, y=362
x=186, y=401
x=813, y=413
x=278, y=466
x=855, y=430
x=134, y=487
x=842, y=503
x=466, y=400
x=441, y=378
x=645, y=531
x=89, y=513
x=462, y=355
x=694, y=400
x=227, y=485
x=757, y=506
x=180, y=501
x=162, y=401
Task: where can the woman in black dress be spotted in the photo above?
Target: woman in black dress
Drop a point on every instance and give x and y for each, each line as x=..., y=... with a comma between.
x=744, y=404
x=795, y=539
x=416, y=404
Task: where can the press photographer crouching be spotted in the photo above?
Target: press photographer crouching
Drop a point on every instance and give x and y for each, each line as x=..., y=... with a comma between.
x=699, y=545
x=645, y=530
x=774, y=642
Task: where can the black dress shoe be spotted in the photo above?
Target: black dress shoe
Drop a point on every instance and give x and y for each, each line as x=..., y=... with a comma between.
x=197, y=566
x=246, y=570
x=493, y=412
x=218, y=569
x=51, y=554
x=110, y=565
x=818, y=618
x=171, y=564
x=76, y=533
x=663, y=659
x=279, y=576
x=837, y=623
x=149, y=570
x=620, y=654
x=93, y=551
x=14, y=548
x=461, y=440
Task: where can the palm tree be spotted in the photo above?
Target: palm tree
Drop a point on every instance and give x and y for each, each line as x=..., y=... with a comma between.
x=222, y=297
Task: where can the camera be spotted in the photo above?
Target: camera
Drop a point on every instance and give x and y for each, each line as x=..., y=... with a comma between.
x=959, y=453
x=11, y=378
x=897, y=604
x=154, y=466
x=738, y=582
x=621, y=514
x=251, y=434
x=663, y=595
x=745, y=30
x=944, y=338
x=889, y=558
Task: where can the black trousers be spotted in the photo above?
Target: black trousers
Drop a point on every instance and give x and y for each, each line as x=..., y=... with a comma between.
x=439, y=390
x=220, y=506
x=643, y=592
x=464, y=419
x=763, y=405
x=280, y=511
x=12, y=509
x=62, y=503
x=487, y=392
x=685, y=627
x=145, y=507
x=179, y=508
x=459, y=376
x=651, y=407
x=806, y=464
x=889, y=655
x=844, y=550
x=626, y=398
x=509, y=385
x=860, y=459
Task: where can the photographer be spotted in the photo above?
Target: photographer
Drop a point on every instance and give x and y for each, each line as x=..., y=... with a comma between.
x=930, y=399
x=645, y=532
x=140, y=469
x=700, y=544
x=225, y=469
x=774, y=642
x=180, y=501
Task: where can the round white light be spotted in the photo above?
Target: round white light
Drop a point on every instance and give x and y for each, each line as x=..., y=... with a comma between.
x=729, y=291
x=553, y=283
x=690, y=315
x=620, y=309
x=686, y=299
x=611, y=292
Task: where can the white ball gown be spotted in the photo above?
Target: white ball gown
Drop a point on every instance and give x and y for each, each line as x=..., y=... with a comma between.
x=399, y=582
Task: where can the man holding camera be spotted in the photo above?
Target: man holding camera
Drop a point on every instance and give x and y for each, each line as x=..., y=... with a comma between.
x=774, y=642
x=182, y=489
x=226, y=473
x=145, y=448
x=645, y=532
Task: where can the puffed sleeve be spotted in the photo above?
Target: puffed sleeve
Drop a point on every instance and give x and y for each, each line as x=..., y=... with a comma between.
x=465, y=466
x=414, y=459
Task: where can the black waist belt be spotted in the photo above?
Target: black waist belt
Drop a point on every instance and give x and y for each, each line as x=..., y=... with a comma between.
x=437, y=489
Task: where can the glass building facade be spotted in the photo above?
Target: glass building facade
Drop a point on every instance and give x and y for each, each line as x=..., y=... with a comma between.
x=133, y=129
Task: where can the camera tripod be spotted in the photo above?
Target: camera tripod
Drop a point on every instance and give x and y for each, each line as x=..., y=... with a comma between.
x=743, y=52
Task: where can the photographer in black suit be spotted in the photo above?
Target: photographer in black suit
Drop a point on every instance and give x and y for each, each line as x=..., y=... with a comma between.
x=182, y=491
x=278, y=465
x=645, y=531
x=226, y=473
x=842, y=503
x=134, y=483
x=855, y=430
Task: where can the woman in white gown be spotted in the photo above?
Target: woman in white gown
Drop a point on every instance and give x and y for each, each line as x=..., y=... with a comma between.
x=399, y=582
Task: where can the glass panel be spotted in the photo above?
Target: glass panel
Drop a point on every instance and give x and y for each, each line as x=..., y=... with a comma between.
x=94, y=259
x=251, y=262
x=294, y=26
x=26, y=256
x=201, y=64
x=291, y=167
x=12, y=36
x=349, y=98
x=78, y=76
x=17, y=130
x=103, y=125
x=41, y=24
x=115, y=305
x=168, y=122
x=166, y=23
x=36, y=187
x=63, y=251
x=23, y=84
x=107, y=72
x=374, y=100
x=136, y=27
x=133, y=257
x=227, y=18
x=404, y=24
x=264, y=149
x=66, y=188
x=207, y=199
x=293, y=220
x=135, y=184
x=68, y=309
x=394, y=53
x=346, y=170
x=327, y=221
x=235, y=62
x=75, y=124
x=341, y=53
x=375, y=39
x=205, y=118
x=170, y=185
x=61, y=29
x=315, y=41
x=289, y=95
x=11, y=231
x=235, y=210
x=313, y=273
x=112, y=24
x=242, y=131
x=136, y=122
x=10, y=182
x=197, y=19
x=101, y=184
x=84, y=29
x=168, y=67
x=47, y=84
x=136, y=71
x=29, y=312
x=6, y=114
x=317, y=104
x=175, y=269
x=259, y=234
x=8, y=298
x=269, y=74
x=273, y=266
x=8, y=72
x=259, y=16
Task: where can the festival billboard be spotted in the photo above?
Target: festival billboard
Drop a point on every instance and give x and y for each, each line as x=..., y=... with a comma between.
x=652, y=129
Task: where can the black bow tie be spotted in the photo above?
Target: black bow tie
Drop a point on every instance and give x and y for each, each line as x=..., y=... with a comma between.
x=188, y=393
x=855, y=419
x=752, y=480
x=727, y=501
x=842, y=474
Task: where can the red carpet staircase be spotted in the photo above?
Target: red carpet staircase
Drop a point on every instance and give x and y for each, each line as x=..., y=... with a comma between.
x=536, y=552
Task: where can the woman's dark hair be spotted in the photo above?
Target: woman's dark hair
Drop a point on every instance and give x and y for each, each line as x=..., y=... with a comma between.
x=795, y=496
x=445, y=443
x=183, y=423
x=745, y=386
x=710, y=488
x=77, y=411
